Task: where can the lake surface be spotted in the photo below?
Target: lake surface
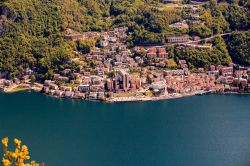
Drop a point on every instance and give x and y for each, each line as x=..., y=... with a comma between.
x=209, y=130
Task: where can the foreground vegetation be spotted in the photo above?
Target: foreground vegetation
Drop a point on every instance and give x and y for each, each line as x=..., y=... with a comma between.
x=16, y=157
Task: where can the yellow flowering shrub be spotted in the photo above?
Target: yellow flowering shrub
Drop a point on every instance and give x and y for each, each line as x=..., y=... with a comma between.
x=16, y=157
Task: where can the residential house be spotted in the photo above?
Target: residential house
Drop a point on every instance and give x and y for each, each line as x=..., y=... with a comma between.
x=227, y=71
x=69, y=94
x=152, y=52
x=162, y=53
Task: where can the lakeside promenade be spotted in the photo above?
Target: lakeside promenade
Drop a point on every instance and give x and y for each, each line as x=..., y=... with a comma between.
x=163, y=97
x=24, y=87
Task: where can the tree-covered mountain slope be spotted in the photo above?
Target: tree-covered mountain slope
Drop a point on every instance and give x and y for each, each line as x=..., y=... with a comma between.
x=31, y=31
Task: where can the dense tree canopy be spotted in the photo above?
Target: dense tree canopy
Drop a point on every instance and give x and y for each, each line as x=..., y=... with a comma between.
x=205, y=57
x=31, y=31
x=238, y=46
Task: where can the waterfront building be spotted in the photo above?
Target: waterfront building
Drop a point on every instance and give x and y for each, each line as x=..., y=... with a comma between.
x=240, y=82
x=47, y=82
x=59, y=93
x=46, y=90
x=53, y=86
x=159, y=85
x=159, y=88
x=79, y=95
x=93, y=95
x=84, y=88
x=109, y=85
x=69, y=94
x=123, y=77
x=101, y=95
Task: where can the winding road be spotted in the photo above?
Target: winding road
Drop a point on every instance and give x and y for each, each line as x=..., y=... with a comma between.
x=189, y=43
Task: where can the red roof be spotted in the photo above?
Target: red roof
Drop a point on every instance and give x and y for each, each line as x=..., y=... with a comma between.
x=152, y=50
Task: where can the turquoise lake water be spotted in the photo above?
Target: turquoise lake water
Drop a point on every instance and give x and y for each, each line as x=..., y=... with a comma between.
x=209, y=130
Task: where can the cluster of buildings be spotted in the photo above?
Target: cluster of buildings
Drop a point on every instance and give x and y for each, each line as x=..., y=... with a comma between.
x=222, y=79
x=9, y=83
x=107, y=79
x=91, y=86
x=118, y=34
x=103, y=72
x=190, y=83
x=235, y=78
x=111, y=70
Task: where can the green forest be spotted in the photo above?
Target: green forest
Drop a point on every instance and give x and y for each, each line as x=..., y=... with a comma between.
x=31, y=31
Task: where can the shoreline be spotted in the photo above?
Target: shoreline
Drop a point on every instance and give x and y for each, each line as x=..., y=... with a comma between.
x=26, y=87
x=21, y=87
x=165, y=97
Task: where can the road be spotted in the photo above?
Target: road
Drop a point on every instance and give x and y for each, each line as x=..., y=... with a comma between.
x=189, y=43
x=209, y=38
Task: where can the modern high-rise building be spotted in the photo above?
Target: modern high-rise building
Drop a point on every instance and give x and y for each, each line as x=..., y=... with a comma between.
x=124, y=79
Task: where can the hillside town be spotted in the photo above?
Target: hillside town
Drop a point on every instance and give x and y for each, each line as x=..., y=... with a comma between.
x=113, y=72
x=125, y=82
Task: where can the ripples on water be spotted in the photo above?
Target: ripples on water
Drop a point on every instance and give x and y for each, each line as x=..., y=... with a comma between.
x=210, y=130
